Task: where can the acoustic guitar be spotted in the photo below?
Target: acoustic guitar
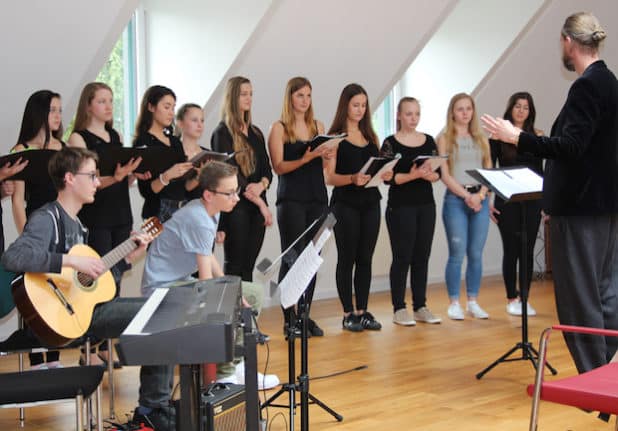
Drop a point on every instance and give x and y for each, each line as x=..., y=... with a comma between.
x=59, y=307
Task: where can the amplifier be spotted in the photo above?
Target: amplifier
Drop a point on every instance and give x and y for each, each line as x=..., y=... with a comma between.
x=224, y=408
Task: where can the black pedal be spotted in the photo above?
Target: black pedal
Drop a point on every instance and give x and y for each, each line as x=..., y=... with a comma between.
x=224, y=408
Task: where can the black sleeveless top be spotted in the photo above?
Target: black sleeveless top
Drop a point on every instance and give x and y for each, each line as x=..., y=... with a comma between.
x=350, y=160
x=37, y=192
x=305, y=184
x=174, y=191
x=415, y=192
x=111, y=206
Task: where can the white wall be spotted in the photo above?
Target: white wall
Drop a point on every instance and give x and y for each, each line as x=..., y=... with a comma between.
x=191, y=44
x=57, y=45
x=533, y=63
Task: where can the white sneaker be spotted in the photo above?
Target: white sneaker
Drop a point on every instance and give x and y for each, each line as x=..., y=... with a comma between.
x=514, y=309
x=54, y=364
x=403, y=318
x=455, y=312
x=265, y=381
x=475, y=310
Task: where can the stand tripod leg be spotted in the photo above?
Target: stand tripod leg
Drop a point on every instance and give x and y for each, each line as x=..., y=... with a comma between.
x=325, y=407
x=498, y=361
x=547, y=364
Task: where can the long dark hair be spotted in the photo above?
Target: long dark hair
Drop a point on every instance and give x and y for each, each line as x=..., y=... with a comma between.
x=152, y=97
x=36, y=117
x=339, y=124
x=508, y=114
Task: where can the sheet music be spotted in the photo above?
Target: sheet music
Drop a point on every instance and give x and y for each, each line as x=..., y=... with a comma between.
x=322, y=239
x=510, y=182
x=300, y=274
x=376, y=180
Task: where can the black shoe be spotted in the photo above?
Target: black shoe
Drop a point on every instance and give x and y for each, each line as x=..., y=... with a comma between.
x=298, y=330
x=352, y=322
x=369, y=322
x=314, y=329
x=161, y=419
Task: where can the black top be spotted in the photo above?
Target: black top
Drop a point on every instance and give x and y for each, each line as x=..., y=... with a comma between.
x=350, y=160
x=221, y=141
x=111, y=206
x=581, y=173
x=305, y=184
x=37, y=192
x=174, y=191
x=504, y=155
x=415, y=192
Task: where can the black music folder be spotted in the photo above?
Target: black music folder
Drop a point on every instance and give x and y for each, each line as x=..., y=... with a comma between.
x=154, y=159
x=320, y=139
x=513, y=184
x=36, y=170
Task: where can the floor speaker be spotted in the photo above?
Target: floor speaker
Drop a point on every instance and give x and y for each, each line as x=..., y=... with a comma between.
x=225, y=408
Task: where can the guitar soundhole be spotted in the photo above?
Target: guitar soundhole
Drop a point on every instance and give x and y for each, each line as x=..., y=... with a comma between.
x=85, y=281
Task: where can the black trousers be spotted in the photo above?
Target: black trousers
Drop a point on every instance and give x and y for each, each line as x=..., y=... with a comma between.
x=585, y=271
x=411, y=230
x=293, y=218
x=244, y=235
x=509, y=224
x=356, y=234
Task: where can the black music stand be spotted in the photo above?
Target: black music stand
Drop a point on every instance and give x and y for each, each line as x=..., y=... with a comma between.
x=511, y=190
x=302, y=386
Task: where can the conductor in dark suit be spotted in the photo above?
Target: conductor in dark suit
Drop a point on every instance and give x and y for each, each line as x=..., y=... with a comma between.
x=580, y=191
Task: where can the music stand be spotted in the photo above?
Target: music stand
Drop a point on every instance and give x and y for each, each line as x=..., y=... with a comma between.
x=516, y=185
x=302, y=386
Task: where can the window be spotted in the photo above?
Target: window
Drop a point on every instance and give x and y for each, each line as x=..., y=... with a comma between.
x=119, y=72
x=383, y=117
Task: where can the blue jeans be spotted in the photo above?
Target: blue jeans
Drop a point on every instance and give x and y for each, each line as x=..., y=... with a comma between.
x=466, y=233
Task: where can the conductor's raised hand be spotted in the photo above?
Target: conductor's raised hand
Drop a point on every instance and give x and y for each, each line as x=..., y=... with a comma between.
x=500, y=129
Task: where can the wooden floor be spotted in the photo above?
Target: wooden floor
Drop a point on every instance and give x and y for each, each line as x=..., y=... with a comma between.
x=417, y=378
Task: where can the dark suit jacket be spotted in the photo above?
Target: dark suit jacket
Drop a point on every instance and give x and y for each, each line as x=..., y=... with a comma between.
x=581, y=174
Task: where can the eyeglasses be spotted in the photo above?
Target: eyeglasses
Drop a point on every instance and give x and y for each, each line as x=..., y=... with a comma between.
x=229, y=195
x=93, y=175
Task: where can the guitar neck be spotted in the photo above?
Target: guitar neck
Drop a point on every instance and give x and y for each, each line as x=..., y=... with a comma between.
x=119, y=252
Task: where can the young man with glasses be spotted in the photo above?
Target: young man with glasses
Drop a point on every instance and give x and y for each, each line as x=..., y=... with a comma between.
x=184, y=247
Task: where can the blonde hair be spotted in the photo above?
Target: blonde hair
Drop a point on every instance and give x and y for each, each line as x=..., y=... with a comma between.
x=82, y=117
x=287, y=112
x=234, y=120
x=585, y=29
x=450, y=134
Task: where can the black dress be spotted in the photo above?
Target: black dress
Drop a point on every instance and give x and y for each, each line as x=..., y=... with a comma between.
x=108, y=218
x=357, y=210
x=301, y=198
x=172, y=196
x=244, y=225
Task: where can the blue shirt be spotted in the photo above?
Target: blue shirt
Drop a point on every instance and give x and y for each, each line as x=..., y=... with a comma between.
x=172, y=256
